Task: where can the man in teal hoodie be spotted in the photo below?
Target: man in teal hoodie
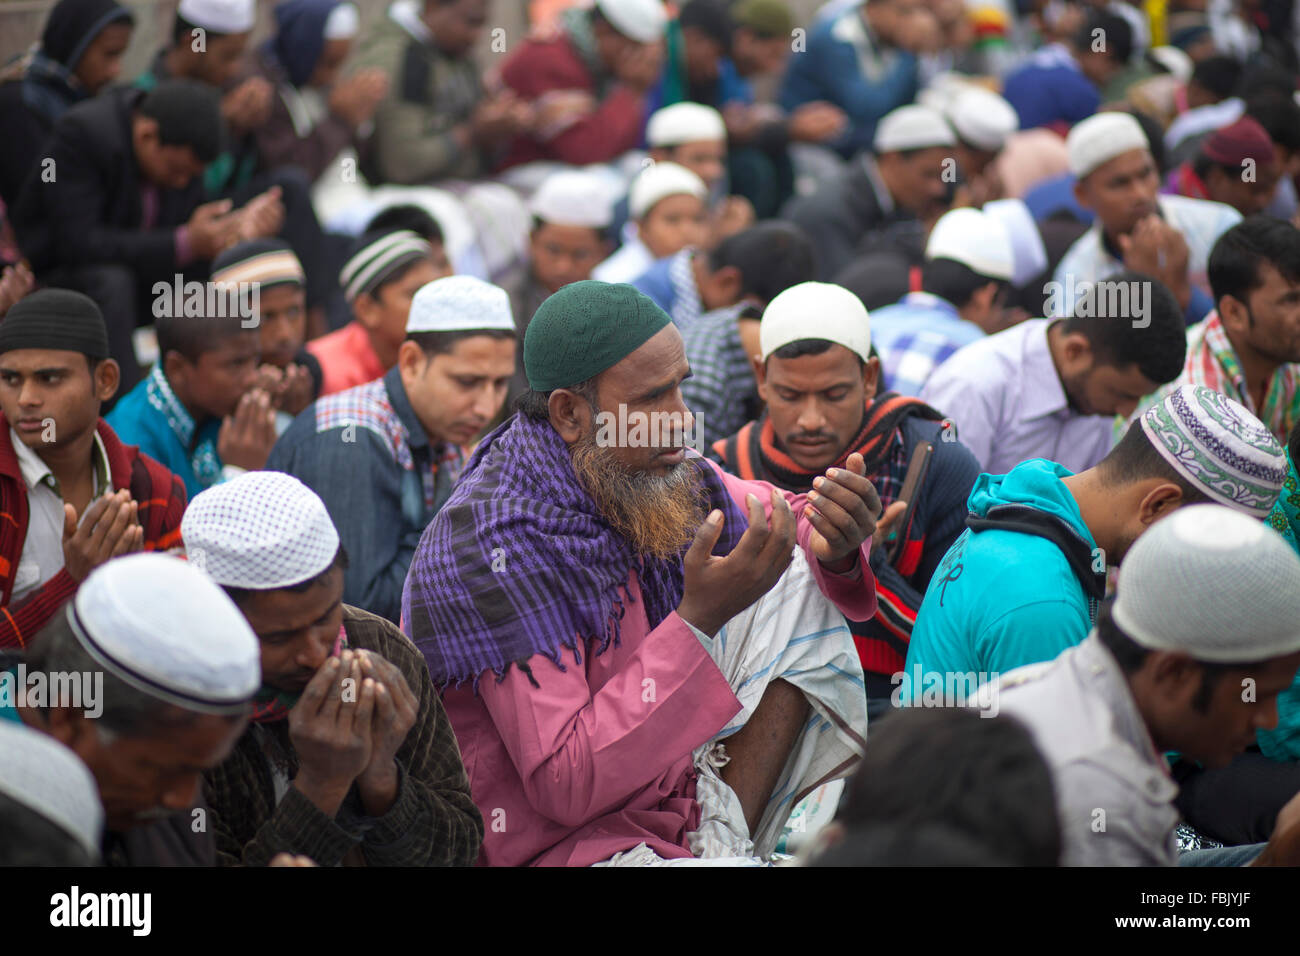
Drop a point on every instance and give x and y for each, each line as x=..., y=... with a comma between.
x=1024, y=581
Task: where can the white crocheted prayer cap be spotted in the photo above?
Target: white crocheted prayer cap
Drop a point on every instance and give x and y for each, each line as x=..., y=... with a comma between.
x=816, y=310
x=263, y=530
x=912, y=127
x=1028, y=254
x=220, y=16
x=572, y=197
x=684, y=123
x=39, y=772
x=975, y=239
x=1100, y=138
x=459, y=304
x=343, y=23
x=639, y=20
x=1214, y=583
x=658, y=181
x=165, y=628
x=982, y=118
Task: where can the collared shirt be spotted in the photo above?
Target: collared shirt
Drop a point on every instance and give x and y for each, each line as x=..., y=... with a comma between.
x=721, y=392
x=1113, y=790
x=1200, y=222
x=347, y=359
x=671, y=283
x=916, y=336
x=43, y=548
x=369, y=438
x=1007, y=399
x=631, y=260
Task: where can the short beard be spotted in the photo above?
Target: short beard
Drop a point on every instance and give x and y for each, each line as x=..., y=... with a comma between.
x=657, y=514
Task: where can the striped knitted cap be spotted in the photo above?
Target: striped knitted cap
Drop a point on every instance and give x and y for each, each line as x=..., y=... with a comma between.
x=377, y=256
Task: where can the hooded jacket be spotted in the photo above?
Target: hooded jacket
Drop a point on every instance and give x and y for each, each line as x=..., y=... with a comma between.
x=1020, y=585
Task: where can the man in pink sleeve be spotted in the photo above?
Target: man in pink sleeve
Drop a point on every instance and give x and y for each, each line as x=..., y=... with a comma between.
x=644, y=659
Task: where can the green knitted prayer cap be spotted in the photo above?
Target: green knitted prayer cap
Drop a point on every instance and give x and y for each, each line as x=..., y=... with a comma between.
x=584, y=329
x=770, y=18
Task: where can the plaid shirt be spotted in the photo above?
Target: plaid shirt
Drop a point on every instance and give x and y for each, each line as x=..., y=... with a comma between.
x=433, y=821
x=916, y=336
x=721, y=392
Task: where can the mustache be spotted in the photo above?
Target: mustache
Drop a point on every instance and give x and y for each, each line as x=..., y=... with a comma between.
x=809, y=436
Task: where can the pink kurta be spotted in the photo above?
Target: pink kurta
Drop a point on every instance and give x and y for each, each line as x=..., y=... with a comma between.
x=599, y=758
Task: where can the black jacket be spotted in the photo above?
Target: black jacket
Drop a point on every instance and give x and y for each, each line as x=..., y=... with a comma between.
x=91, y=209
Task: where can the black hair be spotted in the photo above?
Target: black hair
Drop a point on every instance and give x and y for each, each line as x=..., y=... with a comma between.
x=241, y=595
x=188, y=113
x=1157, y=347
x=1261, y=76
x=440, y=343
x=919, y=846
x=1217, y=75
x=1134, y=459
x=1279, y=114
x=29, y=838
x=535, y=405
x=802, y=347
x=953, y=281
x=603, y=233
x=1117, y=35
x=1155, y=135
x=192, y=335
x=1235, y=260
x=406, y=216
x=981, y=776
x=771, y=256
x=126, y=710
x=1202, y=165
x=1130, y=656
x=710, y=17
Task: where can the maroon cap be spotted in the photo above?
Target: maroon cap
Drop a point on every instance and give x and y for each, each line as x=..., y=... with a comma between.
x=1243, y=140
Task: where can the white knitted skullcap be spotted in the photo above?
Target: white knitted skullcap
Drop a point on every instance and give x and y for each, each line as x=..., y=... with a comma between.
x=220, y=16
x=684, y=123
x=816, y=310
x=639, y=20
x=572, y=197
x=976, y=240
x=165, y=628
x=1028, y=254
x=1214, y=583
x=1100, y=138
x=982, y=118
x=39, y=772
x=263, y=530
x=343, y=23
x=659, y=181
x=912, y=127
x=459, y=304
x=1174, y=60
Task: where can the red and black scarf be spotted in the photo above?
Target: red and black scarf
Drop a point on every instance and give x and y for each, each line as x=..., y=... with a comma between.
x=752, y=452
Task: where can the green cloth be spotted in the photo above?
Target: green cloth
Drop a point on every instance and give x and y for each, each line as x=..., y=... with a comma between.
x=1283, y=741
x=769, y=18
x=586, y=328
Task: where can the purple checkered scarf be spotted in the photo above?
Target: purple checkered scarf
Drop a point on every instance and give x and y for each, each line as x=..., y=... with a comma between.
x=519, y=562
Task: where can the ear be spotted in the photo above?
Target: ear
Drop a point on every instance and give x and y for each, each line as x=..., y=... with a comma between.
x=1159, y=502
x=367, y=310
x=108, y=375
x=1175, y=671
x=144, y=129
x=730, y=282
x=1234, y=313
x=411, y=360
x=70, y=727
x=1077, y=351
x=1081, y=193
x=571, y=416
x=760, y=375
x=871, y=375
x=176, y=368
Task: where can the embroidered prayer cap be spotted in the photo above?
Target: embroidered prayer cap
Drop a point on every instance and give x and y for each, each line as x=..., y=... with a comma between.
x=639, y=20
x=586, y=328
x=45, y=776
x=261, y=531
x=219, y=16
x=268, y=262
x=767, y=18
x=978, y=241
x=982, y=118
x=684, y=123
x=1100, y=138
x=912, y=127
x=55, y=319
x=1238, y=142
x=163, y=626
x=1028, y=254
x=459, y=304
x=1214, y=583
x=659, y=181
x=377, y=256
x=572, y=197
x=1218, y=446
x=816, y=310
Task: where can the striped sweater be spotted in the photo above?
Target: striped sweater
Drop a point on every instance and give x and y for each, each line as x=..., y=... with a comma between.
x=161, y=497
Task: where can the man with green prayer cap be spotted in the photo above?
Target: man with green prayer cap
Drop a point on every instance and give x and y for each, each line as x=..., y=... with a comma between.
x=644, y=659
